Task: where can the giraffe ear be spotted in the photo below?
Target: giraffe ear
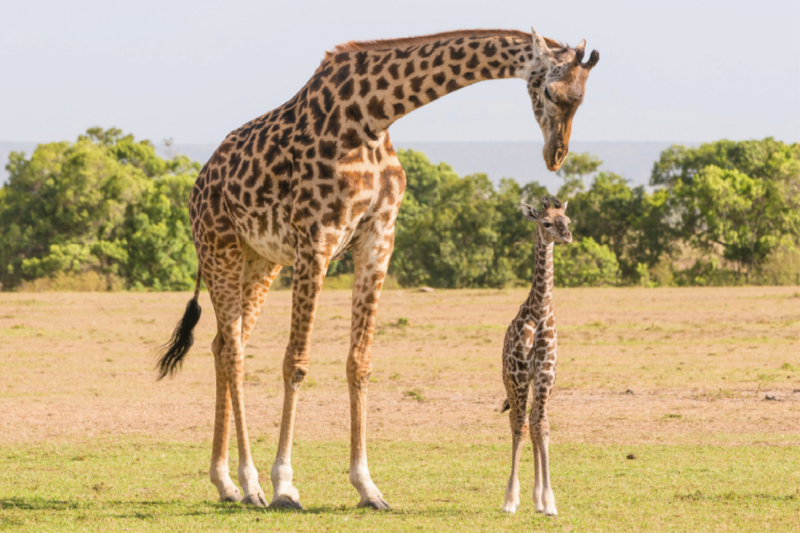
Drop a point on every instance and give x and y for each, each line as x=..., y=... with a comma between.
x=540, y=49
x=529, y=212
x=565, y=206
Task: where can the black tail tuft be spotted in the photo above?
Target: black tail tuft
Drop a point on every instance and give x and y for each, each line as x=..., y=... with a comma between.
x=506, y=406
x=172, y=353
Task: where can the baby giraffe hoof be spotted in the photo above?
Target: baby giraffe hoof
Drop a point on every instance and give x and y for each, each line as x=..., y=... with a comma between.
x=510, y=508
x=379, y=504
x=257, y=499
x=548, y=505
x=285, y=503
x=548, y=509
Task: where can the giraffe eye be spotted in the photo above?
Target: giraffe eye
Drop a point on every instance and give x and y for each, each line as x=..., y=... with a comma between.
x=546, y=224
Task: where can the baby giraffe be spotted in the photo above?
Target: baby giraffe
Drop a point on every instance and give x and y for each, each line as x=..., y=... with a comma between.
x=529, y=353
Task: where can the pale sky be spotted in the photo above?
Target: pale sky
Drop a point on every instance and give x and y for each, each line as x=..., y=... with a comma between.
x=687, y=71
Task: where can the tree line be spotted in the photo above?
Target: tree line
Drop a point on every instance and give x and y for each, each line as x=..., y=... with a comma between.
x=107, y=213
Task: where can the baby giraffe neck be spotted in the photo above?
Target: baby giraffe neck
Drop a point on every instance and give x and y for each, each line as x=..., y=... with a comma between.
x=541, y=293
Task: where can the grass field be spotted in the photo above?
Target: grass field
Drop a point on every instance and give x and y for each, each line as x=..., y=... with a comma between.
x=678, y=377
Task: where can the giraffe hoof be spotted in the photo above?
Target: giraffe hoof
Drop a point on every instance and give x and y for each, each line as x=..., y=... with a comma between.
x=235, y=497
x=284, y=503
x=257, y=499
x=378, y=504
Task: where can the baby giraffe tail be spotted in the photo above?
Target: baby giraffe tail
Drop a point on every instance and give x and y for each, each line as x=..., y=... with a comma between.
x=171, y=355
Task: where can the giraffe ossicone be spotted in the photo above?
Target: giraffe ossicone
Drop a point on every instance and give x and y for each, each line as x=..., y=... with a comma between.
x=317, y=177
x=529, y=358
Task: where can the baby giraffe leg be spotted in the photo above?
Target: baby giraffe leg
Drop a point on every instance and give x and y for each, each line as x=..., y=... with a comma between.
x=517, y=389
x=543, y=498
x=544, y=370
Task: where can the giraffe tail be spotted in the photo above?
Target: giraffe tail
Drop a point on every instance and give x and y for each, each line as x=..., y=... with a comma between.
x=171, y=355
x=506, y=406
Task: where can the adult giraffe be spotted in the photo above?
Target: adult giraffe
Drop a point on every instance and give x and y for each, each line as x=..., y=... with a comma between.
x=318, y=176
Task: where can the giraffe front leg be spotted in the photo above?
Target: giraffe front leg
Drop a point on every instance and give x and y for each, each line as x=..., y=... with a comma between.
x=517, y=387
x=370, y=271
x=284, y=493
x=537, y=465
x=543, y=498
x=544, y=378
x=309, y=273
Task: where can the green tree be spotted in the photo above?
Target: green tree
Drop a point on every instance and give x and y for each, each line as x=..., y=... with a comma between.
x=445, y=237
x=737, y=200
x=573, y=170
x=585, y=264
x=105, y=203
x=461, y=232
x=631, y=222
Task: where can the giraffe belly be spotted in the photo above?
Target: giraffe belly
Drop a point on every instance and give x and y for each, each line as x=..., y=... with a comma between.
x=276, y=245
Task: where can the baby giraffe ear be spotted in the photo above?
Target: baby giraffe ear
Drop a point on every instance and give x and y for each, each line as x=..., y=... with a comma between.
x=565, y=206
x=529, y=212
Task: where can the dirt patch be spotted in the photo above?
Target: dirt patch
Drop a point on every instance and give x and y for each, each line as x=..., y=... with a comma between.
x=698, y=365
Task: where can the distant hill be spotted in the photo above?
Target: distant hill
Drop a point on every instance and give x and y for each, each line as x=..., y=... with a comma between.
x=523, y=160
x=519, y=160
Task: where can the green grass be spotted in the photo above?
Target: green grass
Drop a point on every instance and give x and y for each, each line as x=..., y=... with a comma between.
x=142, y=485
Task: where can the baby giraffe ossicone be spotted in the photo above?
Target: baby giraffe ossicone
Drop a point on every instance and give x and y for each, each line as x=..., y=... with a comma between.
x=529, y=358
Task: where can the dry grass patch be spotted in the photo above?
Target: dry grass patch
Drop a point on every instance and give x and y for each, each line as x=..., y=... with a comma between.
x=73, y=365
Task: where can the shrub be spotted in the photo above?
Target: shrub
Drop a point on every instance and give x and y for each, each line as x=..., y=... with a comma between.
x=585, y=264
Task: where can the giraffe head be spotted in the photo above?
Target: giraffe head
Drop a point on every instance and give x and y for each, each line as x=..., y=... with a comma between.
x=556, y=89
x=552, y=220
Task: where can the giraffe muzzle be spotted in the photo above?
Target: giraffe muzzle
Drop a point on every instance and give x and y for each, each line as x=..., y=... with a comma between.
x=554, y=157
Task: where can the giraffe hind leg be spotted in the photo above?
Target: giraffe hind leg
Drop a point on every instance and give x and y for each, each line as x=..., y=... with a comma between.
x=224, y=273
x=219, y=471
x=256, y=281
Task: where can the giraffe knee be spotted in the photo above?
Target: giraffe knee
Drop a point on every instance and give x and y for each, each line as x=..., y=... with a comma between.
x=358, y=373
x=539, y=427
x=519, y=429
x=294, y=371
x=295, y=375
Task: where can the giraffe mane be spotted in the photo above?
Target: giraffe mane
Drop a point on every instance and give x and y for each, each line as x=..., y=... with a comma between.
x=383, y=44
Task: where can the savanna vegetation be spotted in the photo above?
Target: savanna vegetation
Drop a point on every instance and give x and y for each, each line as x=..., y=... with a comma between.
x=674, y=410
x=106, y=212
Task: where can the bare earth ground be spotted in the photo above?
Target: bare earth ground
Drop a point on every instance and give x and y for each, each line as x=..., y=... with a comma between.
x=649, y=366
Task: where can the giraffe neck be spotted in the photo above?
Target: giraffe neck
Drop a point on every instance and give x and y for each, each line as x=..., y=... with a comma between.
x=541, y=295
x=355, y=95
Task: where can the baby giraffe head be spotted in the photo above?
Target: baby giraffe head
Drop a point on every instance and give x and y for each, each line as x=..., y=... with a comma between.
x=552, y=221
